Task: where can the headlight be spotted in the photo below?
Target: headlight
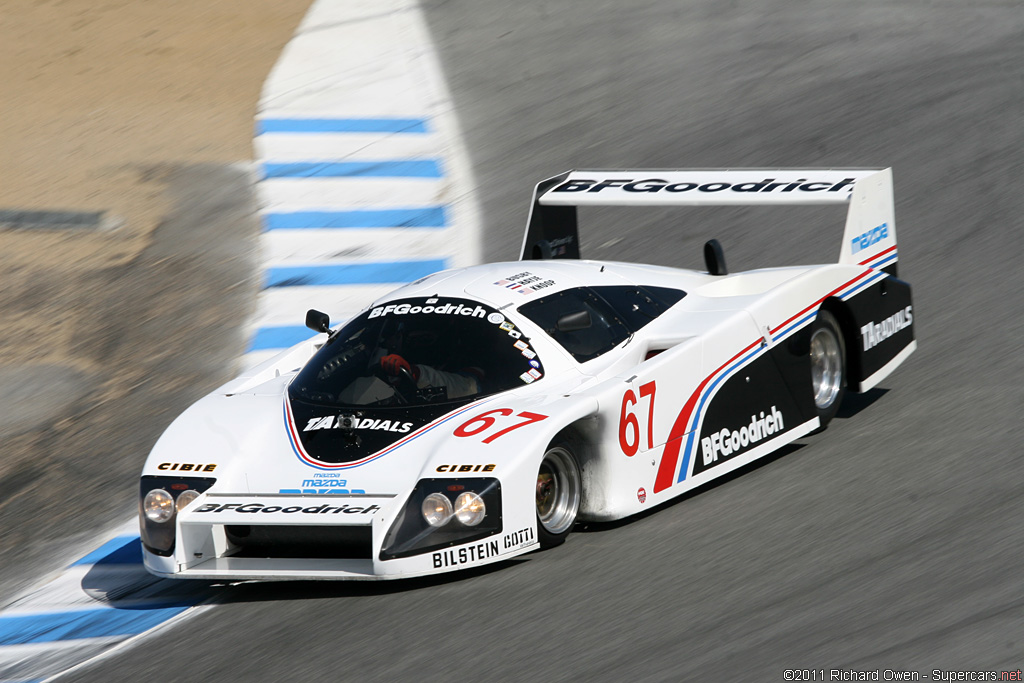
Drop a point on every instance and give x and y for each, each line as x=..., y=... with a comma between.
x=185, y=498
x=428, y=521
x=470, y=509
x=160, y=498
x=437, y=509
x=158, y=506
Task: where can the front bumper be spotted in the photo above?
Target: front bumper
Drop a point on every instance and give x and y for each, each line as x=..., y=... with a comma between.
x=211, y=540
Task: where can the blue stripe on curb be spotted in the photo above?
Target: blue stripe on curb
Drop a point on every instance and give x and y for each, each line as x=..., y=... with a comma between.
x=393, y=272
x=121, y=550
x=401, y=168
x=425, y=217
x=375, y=125
x=98, y=623
x=279, y=337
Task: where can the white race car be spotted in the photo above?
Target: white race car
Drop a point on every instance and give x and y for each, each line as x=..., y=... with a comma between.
x=479, y=413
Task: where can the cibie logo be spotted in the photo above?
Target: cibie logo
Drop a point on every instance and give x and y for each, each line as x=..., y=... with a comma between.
x=466, y=468
x=443, y=309
x=875, y=333
x=186, y=467
x=728, y=442
x=873, y=236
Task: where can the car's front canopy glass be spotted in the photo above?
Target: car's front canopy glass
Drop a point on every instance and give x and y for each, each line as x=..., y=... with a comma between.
x=456, y=349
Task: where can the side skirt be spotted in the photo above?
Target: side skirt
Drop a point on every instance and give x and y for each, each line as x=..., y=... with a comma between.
x=883, y=372
x=753, y=454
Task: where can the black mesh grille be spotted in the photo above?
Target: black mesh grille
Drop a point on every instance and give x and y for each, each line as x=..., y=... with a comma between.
x=313, y=542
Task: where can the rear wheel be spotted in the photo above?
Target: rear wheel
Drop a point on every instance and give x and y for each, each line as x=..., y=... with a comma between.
x=559, y=489
x=828, y=366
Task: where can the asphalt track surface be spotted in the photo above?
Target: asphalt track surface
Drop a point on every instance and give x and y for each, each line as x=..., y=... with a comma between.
x=892, y=540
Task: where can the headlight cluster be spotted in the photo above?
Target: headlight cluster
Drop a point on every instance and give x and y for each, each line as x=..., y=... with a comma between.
x=158, y=506
x=442, y=513
x=160, y=499
x=469, y=509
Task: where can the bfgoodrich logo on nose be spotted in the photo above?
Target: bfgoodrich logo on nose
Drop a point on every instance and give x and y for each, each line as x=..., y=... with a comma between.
x=253, y=508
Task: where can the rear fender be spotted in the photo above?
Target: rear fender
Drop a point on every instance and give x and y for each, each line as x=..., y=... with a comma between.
x=878, y=328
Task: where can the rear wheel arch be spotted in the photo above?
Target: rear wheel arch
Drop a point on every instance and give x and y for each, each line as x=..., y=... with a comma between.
x=829, y=365
x=851, y=339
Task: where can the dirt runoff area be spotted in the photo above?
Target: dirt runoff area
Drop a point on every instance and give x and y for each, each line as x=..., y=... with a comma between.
x=137, y=117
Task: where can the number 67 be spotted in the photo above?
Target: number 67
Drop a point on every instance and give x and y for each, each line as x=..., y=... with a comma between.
x=486, y=422
x=629, y=441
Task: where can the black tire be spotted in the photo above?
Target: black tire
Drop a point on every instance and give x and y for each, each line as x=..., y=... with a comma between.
x=558, y=494
x=828, y=366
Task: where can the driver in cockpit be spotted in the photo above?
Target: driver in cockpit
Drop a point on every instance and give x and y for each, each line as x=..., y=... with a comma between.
x=465, y=382
x=421, y=345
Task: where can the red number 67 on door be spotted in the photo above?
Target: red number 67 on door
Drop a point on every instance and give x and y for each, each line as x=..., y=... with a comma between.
x=629, y=425
x=483, y=422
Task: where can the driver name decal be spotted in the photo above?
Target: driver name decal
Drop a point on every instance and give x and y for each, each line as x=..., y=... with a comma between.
x=524, y=283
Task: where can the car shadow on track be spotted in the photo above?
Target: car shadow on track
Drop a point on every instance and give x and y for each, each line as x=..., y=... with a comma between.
x=277, y=591
x=119, y=581
x=855, y=403
x=133, y=588
x=588, y=527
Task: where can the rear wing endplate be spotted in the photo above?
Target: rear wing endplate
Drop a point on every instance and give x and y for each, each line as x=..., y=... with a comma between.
x=869, y=237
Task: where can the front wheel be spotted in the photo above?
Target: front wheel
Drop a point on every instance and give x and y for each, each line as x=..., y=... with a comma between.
x=559, y=490
x=828, y=366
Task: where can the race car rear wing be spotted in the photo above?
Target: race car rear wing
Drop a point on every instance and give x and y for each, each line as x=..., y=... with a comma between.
x=869, y=238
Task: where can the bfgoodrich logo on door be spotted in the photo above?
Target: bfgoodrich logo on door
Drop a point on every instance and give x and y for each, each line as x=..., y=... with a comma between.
x=729, y=442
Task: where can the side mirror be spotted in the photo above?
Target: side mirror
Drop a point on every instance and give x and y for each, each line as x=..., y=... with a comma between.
x=317, y=321
x=573, y=322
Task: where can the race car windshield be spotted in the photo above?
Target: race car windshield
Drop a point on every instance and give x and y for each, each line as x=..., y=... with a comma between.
x=419, y=351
